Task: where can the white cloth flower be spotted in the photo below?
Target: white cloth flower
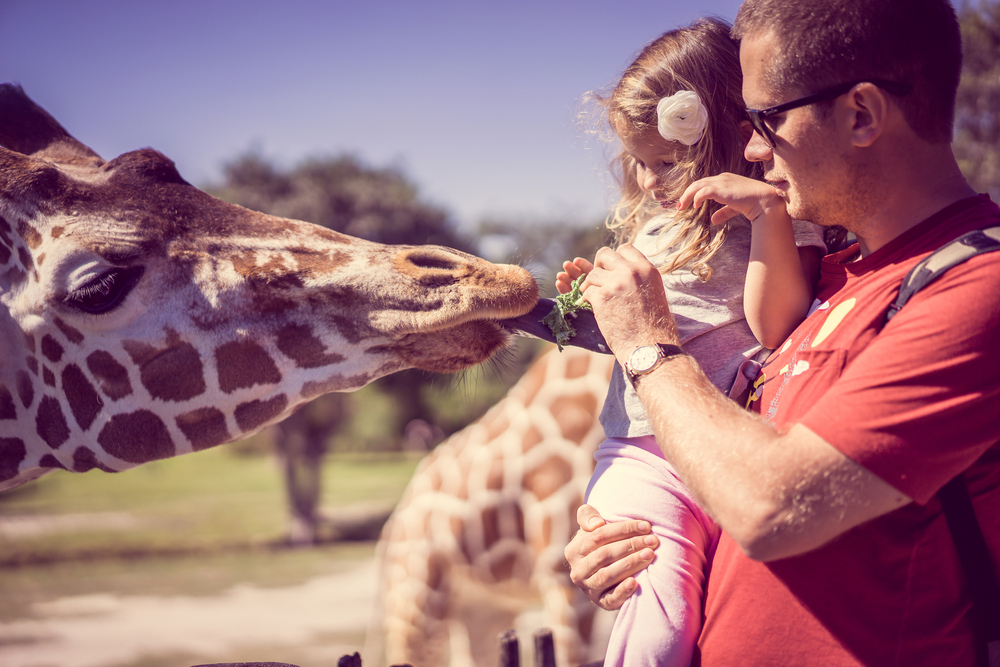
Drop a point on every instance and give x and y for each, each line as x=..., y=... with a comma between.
x=681, y=117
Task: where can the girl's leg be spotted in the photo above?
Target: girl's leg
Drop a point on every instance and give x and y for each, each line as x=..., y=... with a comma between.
x=660, y=623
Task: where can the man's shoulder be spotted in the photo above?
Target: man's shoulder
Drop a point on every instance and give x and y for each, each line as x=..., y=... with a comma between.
x=967, y=215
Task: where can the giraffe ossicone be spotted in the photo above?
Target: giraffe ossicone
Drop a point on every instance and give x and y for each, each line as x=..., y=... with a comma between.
x=141, y=318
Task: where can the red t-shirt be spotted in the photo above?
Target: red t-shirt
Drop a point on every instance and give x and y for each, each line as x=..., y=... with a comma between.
x=916, y=402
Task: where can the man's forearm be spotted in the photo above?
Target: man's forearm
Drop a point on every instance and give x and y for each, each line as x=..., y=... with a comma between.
x=776, y=495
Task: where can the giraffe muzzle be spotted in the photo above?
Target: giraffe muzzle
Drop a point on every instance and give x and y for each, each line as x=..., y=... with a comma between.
x=530, y=325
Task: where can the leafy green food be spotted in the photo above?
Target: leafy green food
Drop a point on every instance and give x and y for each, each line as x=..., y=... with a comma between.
x=566, y=304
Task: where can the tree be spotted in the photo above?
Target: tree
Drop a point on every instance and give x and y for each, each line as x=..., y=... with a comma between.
x=977, y=119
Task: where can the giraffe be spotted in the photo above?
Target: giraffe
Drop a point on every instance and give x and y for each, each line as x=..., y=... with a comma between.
x=485, y=518
x=142, y=318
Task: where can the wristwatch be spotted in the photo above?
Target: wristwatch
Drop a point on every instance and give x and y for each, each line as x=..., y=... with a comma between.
x=645, y=358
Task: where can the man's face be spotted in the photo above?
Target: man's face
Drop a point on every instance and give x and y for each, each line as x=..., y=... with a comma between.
x=803, y=165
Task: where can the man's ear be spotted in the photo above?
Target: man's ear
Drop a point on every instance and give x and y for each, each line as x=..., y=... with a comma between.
x=869, y=108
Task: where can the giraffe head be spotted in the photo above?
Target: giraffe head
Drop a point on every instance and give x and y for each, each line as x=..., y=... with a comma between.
x=142, y=318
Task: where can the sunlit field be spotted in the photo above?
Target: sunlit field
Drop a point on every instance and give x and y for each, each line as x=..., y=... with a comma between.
x=145, y=554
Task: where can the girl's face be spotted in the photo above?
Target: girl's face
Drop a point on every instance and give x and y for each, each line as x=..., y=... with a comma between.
x=654, y=161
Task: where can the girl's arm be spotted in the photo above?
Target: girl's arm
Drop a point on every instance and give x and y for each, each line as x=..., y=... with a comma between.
x=781, y=277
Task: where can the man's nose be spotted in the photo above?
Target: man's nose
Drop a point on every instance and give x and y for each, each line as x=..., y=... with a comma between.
x=757, y=149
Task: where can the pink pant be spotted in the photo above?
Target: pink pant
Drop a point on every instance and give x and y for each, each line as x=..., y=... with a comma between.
x=660, y=623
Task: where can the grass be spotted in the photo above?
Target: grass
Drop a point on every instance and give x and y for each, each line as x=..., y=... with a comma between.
x=211, y=500
x=197, y=525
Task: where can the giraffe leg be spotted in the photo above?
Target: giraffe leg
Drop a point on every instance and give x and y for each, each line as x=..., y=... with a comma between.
x=417, y=594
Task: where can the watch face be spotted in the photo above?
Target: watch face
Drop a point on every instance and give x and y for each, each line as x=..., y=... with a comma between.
x=643, y=358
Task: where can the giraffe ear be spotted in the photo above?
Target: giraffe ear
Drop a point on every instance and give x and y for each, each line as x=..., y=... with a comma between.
x=27, y=128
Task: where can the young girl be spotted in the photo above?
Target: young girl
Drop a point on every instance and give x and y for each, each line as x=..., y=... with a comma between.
x=678, y=113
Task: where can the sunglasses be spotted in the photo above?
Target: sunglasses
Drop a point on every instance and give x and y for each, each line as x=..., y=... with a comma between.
x=757, y=116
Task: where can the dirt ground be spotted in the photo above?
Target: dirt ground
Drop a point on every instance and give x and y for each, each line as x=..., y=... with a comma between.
x=107, y=630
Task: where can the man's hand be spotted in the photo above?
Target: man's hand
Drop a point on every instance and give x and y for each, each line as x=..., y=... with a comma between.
x=603, y=557
x=629, y=303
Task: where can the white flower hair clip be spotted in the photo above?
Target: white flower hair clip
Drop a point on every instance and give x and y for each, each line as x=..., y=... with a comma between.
x=681, y=117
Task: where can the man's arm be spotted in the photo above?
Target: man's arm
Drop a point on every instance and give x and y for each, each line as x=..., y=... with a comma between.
x=776, y=494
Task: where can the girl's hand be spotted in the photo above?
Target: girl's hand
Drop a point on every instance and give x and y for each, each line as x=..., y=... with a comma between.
x=738, y=194
x=571, y=271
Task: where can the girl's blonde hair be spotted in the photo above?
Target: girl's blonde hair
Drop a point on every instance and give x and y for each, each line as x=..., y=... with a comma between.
x=703, y=58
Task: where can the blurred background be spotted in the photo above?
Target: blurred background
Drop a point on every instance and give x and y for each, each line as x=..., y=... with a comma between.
x=455, y=123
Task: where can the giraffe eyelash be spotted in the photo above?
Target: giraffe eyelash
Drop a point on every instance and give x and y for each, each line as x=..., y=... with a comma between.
x=106, y=292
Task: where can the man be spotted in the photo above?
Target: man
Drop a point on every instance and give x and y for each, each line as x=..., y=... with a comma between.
x=835, y=550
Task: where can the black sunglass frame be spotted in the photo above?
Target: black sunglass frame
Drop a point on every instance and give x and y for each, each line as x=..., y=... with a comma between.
x=757, y=116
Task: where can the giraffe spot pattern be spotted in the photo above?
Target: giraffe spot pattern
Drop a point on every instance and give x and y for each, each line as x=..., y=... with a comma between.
x=110, y=375
x=173, y=373
x=25, y=388
x=83, y=399
x=25, y=257
x=12, y=453
x=32, y=364
x=51, y=349
x=48, y=377
x=243, y=364
x=572, y=413
x=72, y=335
x=7, y=407
x=254, y=414
x=49, y=461
x=137, y=437
x=30, y=235
x=297, y=342
x=204, y=428
x=50, y=423
x=84, y=459
x=5, y=242
x=548, y=476
x=29, y=342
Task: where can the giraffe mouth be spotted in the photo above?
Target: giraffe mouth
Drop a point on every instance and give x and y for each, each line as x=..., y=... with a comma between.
x=588, y=335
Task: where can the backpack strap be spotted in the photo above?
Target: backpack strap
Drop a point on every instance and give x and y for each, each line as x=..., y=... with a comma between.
x=954, y=496
x=931, y=267
x=974, y=556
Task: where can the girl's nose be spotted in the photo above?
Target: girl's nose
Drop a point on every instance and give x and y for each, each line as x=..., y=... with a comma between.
x=646, y=179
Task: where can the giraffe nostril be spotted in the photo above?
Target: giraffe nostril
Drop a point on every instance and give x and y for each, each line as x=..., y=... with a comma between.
x=430, y=258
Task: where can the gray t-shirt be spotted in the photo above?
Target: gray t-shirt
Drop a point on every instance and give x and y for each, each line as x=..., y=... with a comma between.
x=709, y=316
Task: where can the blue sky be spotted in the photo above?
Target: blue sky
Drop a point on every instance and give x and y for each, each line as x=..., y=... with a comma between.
x=474, y=101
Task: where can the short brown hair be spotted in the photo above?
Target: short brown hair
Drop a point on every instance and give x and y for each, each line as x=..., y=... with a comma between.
x=827, y=42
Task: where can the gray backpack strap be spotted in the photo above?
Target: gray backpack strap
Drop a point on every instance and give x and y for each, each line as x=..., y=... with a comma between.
x=931, y=267
x=954, y=496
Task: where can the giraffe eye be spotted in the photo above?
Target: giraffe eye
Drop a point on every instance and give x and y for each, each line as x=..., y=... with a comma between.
x=105, y=292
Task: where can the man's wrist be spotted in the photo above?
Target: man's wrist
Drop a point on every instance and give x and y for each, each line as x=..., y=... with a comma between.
x=644, y=359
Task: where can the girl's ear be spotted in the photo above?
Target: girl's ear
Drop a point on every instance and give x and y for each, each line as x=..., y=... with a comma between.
x=746, y=131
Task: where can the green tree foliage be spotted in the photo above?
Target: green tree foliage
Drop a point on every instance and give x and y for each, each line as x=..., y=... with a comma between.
x=341, y=193
x=977, y=118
